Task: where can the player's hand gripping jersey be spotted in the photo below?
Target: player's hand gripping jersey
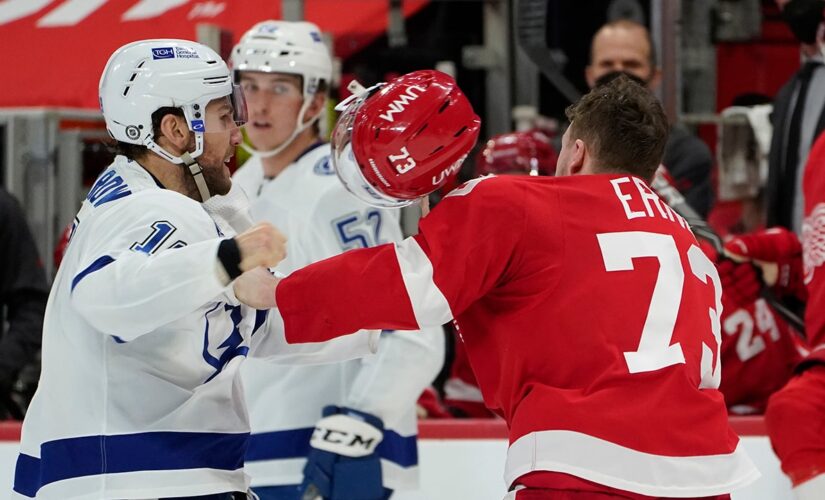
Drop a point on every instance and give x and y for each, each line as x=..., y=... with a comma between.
x=590, y=315
x=140, y=319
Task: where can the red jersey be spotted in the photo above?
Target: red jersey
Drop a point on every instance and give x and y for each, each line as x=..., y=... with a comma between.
x=590, y=316
x=813, y=249
x=461, y=392
x=759, y=353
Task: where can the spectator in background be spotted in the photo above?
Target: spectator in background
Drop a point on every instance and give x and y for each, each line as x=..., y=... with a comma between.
x=23, y=294
x=798, y=116
x=625, y=46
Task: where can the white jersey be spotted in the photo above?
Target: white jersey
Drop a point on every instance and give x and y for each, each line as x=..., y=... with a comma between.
x=308, y=203
x=139, y=394
x=250, y=177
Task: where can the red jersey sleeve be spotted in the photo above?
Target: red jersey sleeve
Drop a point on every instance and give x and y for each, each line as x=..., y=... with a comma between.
x=464, y=247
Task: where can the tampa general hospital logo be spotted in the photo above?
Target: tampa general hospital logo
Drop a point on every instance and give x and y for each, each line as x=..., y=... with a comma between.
x=813, y=241
x=163, y=53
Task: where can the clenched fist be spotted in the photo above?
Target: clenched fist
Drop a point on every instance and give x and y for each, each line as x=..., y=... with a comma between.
x=256, y=288
x=261, y=246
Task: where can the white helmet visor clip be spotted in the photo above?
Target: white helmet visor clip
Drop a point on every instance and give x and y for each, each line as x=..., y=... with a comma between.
x=200, y=123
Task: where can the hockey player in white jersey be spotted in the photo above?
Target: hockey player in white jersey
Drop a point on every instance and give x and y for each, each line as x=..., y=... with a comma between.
x=284, y=69
x=140, y=395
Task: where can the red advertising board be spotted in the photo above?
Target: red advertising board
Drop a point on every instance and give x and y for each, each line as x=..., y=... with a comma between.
x=53, y=51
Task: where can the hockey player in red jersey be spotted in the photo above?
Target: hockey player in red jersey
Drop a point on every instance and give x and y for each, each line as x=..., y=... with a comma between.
x=588, y=310
x=796, y=414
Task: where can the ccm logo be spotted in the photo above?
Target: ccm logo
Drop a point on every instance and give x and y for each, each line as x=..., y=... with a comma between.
x=342, y=438
x=400, y=104
x=347, y=436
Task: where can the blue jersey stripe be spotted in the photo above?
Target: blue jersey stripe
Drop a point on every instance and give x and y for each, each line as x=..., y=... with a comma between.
x=403, y=450
x=97, y=265
x=279, y=445
x=149, y=451
x=294, y=443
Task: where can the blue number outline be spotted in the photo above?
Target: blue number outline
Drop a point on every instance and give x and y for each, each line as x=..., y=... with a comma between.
x=161, y=231
x=351, y=233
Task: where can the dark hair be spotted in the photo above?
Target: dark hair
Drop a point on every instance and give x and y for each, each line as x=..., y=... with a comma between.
x=135, y=151
x=629, y=24
x=623, y=125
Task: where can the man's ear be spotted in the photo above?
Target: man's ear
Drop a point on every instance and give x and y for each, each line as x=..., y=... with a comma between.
x=590, y=76
x=173, y=132
x=578, y=157
x=316, y=106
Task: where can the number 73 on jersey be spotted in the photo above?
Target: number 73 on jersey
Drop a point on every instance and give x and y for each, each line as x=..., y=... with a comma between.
x=655, y=350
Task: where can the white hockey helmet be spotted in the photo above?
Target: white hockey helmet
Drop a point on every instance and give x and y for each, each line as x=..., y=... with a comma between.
x=285, y=47
x=144, y=76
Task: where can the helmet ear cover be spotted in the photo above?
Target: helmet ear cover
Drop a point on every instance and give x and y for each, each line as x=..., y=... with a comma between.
x=398, y=142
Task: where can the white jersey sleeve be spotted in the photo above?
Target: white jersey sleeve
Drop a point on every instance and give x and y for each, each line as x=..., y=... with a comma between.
x=271, y=345
x=126, y=285
x=390, y=382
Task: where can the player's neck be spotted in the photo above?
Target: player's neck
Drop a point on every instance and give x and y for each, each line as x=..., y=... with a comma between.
x=171, y=176
x=274, y=165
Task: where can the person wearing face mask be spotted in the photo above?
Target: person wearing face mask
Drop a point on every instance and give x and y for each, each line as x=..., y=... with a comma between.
x=798, y=116
x=625, y=46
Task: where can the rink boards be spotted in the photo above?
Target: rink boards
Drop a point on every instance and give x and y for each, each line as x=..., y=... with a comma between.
x=465, y=459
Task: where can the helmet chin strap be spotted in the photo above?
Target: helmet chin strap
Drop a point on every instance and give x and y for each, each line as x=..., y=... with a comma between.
x=299, y=127
x=187, y=160
x=197, y=174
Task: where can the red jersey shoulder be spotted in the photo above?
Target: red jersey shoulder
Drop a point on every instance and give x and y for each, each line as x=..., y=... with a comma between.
x=496, y=197
x=621, y=199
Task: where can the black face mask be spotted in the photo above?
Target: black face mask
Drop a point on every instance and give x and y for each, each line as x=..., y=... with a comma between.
x=609, y=77
x=804, y=17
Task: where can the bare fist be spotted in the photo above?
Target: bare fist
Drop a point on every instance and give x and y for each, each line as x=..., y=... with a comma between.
x=261, y=246
x=256, y=288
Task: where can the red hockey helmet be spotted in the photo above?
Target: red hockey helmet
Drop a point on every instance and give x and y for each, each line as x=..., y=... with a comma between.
x=518, y=153
x=397, y=142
